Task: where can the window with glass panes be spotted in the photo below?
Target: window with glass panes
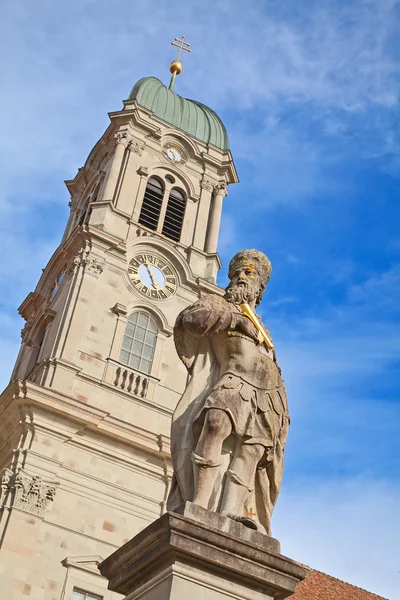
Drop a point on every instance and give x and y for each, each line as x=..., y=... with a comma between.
x=138, y=345
x=82, y=595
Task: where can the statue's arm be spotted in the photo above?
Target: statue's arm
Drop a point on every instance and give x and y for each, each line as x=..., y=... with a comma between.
x=209, y=316
x=206, y=320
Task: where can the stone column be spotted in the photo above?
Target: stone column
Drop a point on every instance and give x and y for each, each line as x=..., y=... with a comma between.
x=220, y=191
x=122, y=139
x=199, y=554
x=203, y=210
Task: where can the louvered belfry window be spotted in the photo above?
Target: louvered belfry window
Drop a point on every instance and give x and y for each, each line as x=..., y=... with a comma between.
x=138, y=345
x=175, y=212
x=152, y=202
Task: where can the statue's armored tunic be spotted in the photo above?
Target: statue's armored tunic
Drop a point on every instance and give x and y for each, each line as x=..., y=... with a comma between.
x=249, y=388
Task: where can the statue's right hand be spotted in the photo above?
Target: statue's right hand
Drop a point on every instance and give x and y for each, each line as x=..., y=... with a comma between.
x=243, y=324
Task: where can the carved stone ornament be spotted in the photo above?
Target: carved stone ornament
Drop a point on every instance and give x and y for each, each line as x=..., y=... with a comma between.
x=73, y=205
x=206, y=184
x=143, y=232
x=221, y=189
x=94, y=266
x=6, y=479
x=31, y=493
x=122, y=137
x=26, y=330
x=136, y=146
x=79, y=259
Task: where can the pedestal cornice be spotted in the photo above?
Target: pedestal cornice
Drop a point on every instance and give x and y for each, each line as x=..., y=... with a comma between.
x=208, y=546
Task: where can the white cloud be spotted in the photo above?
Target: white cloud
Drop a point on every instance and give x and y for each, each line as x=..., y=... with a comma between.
x=382, y=290
x=66, y=66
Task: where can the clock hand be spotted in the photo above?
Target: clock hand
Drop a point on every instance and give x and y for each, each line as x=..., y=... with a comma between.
x=151, y=275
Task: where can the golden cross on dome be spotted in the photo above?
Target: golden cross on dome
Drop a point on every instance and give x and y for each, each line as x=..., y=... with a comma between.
x=176, y=66
x=181, y=45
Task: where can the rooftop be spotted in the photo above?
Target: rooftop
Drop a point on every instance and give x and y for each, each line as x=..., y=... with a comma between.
x=190, y=116
x=319, y=586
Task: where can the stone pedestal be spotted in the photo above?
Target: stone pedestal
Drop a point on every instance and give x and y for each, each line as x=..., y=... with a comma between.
x=200, y=555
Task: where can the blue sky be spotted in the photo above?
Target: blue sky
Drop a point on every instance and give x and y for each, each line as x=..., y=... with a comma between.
x=309, y=92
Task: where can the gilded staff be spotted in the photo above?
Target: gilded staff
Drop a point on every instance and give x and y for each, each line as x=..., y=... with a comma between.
x=262, y=335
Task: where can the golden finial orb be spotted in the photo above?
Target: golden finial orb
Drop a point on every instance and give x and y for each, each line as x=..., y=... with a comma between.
x=176, y=67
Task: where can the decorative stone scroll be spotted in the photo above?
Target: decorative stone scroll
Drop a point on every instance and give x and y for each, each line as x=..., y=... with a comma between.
x=30, y=493
x=78, y=260
x=94, y=266
x=136, y=146
x=73, y=205
x=5, y=485
x=25, y=331
x=142, y=232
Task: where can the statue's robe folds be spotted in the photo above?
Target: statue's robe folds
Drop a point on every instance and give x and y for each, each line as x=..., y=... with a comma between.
x=196, y=329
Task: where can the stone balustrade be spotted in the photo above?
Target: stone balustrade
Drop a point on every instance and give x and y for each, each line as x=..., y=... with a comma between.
x=128, y=380
x=131, y=381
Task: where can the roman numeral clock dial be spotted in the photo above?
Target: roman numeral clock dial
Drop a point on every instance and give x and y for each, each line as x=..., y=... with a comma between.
x=152, y=276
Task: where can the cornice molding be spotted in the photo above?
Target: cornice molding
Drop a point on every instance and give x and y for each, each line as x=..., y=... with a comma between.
x=90, y=417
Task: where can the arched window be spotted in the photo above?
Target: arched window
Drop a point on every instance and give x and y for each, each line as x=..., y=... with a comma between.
x=175, y=212
x=152, y=202
x=137, y=350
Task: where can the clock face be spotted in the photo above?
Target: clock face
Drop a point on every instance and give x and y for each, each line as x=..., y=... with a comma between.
x=175, y=153
x=152, y=276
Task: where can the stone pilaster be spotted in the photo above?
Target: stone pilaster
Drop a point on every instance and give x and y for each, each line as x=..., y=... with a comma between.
x=122, y=139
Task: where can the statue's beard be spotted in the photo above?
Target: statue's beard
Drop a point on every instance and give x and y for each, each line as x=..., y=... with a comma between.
x=240, y=293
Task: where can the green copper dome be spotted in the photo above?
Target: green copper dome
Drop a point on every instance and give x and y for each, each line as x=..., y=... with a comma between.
x=190, y=116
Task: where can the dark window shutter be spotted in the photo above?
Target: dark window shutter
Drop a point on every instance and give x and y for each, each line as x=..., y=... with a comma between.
x=173, y=221
x=152, y=202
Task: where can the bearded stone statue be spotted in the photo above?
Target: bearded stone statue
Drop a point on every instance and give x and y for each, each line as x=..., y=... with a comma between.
x=230, y=426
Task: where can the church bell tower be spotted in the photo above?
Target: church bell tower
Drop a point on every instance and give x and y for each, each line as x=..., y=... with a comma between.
x=85, y=420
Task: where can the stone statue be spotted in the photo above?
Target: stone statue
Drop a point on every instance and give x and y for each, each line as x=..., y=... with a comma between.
x=230, y=426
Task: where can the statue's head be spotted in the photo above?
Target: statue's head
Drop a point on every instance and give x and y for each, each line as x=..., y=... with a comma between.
x=249, y=272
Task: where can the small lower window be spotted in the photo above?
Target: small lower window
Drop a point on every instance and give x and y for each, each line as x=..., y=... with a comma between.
x=82, y=595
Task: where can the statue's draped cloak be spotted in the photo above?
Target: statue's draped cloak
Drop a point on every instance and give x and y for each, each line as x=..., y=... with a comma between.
x=195, y=350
